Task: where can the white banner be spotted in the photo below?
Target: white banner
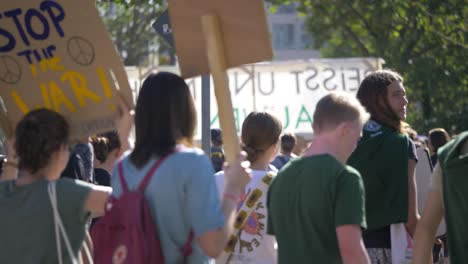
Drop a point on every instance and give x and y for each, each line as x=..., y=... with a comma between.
x=289, y=90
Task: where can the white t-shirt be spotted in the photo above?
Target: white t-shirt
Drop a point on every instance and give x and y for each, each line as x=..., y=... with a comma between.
x=254, y=245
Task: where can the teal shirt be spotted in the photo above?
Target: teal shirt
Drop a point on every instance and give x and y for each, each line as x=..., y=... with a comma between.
x=309, y=198
x=27, y=233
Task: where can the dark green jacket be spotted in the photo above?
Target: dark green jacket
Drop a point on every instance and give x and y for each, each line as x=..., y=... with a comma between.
x=382, y=159
x=454, y=165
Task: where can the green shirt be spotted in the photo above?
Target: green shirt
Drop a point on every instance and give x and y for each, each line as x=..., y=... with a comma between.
x=27, y=233
x=454, y=164
x=381, y=157
x=307, y=201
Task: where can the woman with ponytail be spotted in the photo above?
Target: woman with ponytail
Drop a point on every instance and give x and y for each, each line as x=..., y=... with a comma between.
x=260, y=137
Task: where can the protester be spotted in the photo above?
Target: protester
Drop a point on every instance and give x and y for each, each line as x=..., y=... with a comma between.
x=106, y=152
x=447, y=197
x=288, y=142
x=217, y=152
x=386, y=158
x=260, y=135
x=437, y=138
x=182, y=193
x=316, y=203
x=414, y=136
x=27, y=219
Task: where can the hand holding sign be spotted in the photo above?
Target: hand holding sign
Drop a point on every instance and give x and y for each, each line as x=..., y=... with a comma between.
x=124, y=122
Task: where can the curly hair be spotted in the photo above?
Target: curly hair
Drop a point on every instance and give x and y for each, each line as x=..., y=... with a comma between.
x=39, y=134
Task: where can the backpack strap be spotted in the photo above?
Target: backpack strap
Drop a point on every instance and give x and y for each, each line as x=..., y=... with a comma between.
x=123, y=183
x=147, y=177
x=186, y=250
x=150, y=173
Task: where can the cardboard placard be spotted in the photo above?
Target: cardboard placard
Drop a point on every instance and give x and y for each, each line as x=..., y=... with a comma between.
x=59, y=55
x=244, y=31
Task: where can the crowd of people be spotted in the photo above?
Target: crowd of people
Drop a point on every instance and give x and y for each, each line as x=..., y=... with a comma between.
x=349, y=197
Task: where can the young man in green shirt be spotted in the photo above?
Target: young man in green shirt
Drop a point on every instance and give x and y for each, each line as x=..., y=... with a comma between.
x=448, y=197
x=316, y=205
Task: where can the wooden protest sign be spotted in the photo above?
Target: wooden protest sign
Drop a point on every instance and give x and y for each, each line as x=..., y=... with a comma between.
x=58, y=55
x=214, y=35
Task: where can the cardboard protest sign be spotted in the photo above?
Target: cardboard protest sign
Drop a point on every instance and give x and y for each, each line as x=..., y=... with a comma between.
x=58, y=55
x=212, y=36
x=244, y=30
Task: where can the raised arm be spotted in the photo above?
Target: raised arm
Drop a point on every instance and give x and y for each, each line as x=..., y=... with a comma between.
x=97, y=199
x=236, y=178
x=430, y=220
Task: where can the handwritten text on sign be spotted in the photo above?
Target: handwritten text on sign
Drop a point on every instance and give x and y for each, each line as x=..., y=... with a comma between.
x=289, y=90
x=58, y=56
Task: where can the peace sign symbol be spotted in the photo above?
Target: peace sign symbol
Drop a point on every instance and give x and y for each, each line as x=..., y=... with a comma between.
x=80, y=50
x=10, y=71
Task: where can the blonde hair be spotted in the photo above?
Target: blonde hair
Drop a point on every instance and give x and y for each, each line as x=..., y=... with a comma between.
x=336, y=108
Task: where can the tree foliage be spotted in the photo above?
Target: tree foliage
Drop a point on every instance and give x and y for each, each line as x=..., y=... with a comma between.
x=424, y=40
x=129, y=23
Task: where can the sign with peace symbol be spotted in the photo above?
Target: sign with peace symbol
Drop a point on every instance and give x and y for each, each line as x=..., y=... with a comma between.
x=49, y=60
x=10, y=71
x=81, y=50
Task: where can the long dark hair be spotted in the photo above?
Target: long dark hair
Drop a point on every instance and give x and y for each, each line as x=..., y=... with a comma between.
x=164, y=116
x=373, y=95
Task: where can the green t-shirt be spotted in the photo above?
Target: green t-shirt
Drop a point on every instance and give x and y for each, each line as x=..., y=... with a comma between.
x=307, y=201
x=27, y=233
x=454, y=164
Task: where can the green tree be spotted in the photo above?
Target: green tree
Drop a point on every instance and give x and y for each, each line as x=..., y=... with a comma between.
x=129, y=23
x=425, y=40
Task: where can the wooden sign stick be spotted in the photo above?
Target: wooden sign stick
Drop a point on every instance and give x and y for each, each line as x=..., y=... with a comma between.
x=217, y=62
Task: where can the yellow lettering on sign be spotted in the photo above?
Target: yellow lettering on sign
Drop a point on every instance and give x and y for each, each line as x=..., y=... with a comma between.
x=52, y=64
x=79, y=85
x=19, y=102
x=104, y=82
x=45, y=96
x=33, y=70
x=59, y=98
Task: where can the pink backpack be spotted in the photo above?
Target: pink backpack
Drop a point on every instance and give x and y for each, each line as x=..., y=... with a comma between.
x=126, y=234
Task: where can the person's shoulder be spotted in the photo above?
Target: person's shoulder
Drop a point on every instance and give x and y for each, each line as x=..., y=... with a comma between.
x=351, y=171
x=73, y=183
x=183, y=151
x=189, y=155
x=327, y=160
x=219, y=174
